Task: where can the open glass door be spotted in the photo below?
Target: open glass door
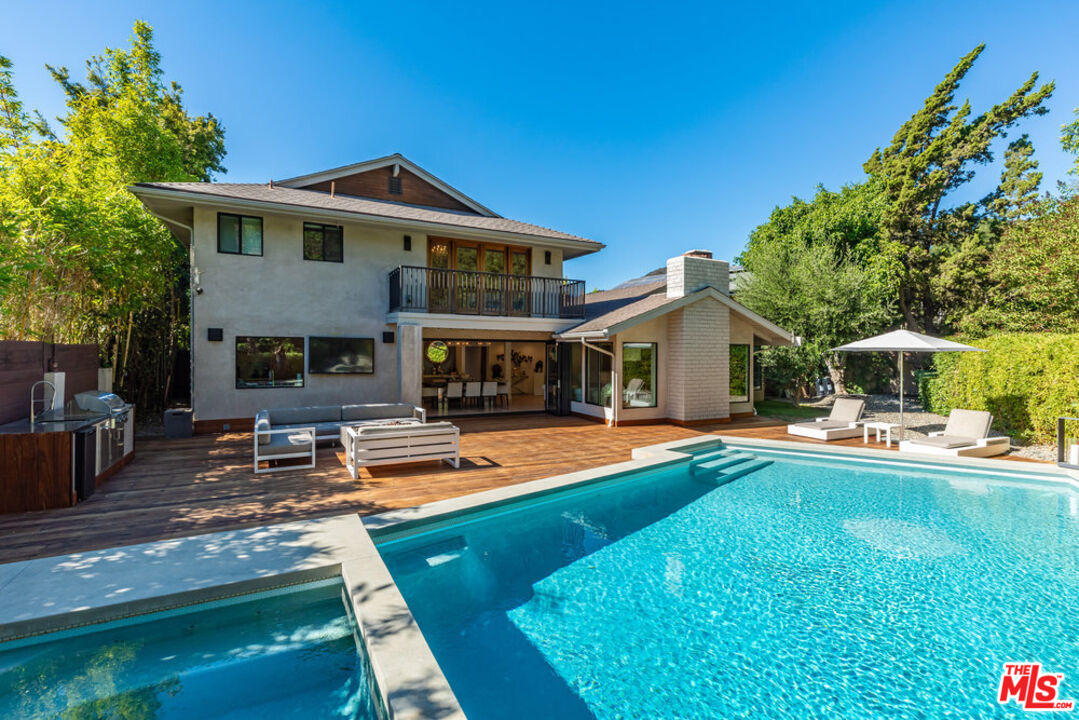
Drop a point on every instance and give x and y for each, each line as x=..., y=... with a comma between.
x=551, y=383
x=558, y=378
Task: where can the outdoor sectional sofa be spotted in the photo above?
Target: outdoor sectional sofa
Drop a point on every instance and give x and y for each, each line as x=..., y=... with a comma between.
x=282, y=433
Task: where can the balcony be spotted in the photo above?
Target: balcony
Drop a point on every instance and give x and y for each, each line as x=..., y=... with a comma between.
x=466, y=292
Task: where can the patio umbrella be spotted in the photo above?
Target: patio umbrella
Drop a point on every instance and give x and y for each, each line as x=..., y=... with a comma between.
x=904, y=341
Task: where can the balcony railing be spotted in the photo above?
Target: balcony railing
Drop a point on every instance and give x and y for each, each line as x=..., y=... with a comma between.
x=465, y=292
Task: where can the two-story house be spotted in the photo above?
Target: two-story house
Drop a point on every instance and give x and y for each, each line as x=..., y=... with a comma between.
x=378, y=282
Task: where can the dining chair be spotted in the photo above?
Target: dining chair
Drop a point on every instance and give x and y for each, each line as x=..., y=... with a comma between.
x=472, y=391
x=490, y=391
x=454, y=391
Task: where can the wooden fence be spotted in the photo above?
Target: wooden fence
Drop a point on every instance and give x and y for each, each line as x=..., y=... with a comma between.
x=22, y=363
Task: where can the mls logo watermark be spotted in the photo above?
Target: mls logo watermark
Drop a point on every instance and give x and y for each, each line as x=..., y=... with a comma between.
x=1031, y=688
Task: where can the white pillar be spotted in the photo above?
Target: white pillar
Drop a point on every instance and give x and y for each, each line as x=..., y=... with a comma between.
x=57, y=380
x=410, y=363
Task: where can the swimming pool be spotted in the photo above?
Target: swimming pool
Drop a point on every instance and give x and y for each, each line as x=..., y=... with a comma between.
x=809, y=586
x=286, y=653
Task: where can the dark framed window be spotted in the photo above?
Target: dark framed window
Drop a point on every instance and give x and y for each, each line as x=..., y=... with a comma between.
x=269, y=362
x=758, y=377
x=597, y=375
x=239, y=234
x=739, y=373
x=341, y=356
x=323, y=242
x=639, y=375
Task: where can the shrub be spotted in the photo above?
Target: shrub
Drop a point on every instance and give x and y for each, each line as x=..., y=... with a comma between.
x=1026, y=380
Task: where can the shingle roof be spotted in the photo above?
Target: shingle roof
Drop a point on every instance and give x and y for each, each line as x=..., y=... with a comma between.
x=362, y=206
x=659, y=276
x=649, y=304
x=621, y=314
x=604, y=301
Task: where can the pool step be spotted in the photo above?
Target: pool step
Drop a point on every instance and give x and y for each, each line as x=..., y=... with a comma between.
x=719, y=467
x=723, y=462
x=741, y=470
x=710, y=455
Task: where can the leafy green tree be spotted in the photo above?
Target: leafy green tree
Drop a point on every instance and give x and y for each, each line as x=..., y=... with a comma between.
x=931, y=155
x=1033, y=276
x=1017, y=195
x=819, y=293
x=82, y=260
x=1069, y=139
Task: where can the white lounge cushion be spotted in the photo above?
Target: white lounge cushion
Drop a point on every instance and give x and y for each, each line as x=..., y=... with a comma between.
x=847, y=410
x=945, y=441
x=822, y=425
x=376, y=411
x=377, y=431
x=968, y=423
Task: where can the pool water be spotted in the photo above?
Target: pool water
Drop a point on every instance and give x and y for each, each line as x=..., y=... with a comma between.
x=284, y=655
x=808, y=588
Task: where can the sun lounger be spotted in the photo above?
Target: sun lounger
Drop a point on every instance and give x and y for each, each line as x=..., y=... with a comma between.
x=843, y=422
x=965, y=435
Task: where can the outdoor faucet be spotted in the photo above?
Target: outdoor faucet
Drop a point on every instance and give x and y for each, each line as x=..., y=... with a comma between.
x=51, y=399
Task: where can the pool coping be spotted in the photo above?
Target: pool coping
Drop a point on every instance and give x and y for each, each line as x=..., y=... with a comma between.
x=133, y=580
x=408, y=681
x=650, y=457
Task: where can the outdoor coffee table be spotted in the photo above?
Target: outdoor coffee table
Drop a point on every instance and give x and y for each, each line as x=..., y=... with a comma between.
x=878, y=426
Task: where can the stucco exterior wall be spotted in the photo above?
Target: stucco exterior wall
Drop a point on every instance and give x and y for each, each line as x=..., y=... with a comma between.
x=541, y=269
x=281, y=294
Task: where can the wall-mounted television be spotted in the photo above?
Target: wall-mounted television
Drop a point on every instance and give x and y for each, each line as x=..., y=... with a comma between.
x=340, y=356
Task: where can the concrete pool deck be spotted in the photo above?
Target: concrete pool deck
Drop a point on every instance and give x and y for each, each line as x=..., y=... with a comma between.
x=65, y=593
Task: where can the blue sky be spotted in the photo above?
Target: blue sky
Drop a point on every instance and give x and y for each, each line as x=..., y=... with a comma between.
x=654, y=128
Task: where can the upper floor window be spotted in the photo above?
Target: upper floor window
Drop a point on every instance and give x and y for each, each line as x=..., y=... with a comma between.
x=239, y=234
x=323, y=242
x=394, y=187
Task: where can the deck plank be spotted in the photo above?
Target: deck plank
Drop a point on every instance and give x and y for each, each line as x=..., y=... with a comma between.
x=175, y=488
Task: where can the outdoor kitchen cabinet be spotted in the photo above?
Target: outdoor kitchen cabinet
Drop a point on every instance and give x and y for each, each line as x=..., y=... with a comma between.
x=57, y=462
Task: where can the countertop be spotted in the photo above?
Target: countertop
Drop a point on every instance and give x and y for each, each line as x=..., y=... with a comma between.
x=71, y=424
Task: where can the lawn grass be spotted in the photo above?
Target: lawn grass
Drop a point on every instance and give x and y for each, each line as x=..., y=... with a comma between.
x=785, y=411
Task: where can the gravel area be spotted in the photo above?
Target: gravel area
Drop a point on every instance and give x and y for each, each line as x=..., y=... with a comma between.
x=919, y=423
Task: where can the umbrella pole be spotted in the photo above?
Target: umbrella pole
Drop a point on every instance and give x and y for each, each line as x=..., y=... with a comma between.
x=900, y=396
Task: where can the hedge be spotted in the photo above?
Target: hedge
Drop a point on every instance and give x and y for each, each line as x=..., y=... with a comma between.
x=1026, y=380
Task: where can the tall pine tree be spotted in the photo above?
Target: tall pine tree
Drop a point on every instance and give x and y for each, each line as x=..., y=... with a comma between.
x=931, y=155
x=1017, y=193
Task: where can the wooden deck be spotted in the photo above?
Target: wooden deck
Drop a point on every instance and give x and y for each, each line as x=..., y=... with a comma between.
x=204, y=484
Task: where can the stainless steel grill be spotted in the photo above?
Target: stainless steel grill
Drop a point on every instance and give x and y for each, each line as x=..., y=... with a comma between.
x=103, y=403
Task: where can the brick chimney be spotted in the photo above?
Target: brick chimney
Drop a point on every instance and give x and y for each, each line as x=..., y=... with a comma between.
x=693, y=270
